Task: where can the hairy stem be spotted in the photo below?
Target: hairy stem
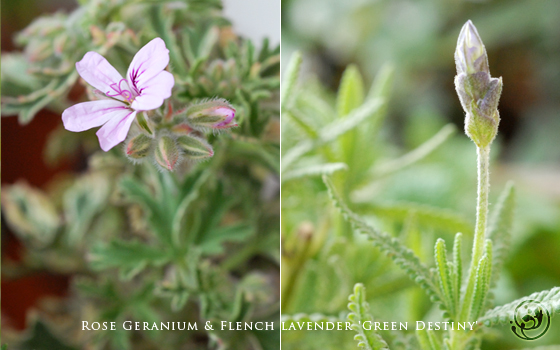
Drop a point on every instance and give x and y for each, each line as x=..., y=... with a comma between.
x=480, y=230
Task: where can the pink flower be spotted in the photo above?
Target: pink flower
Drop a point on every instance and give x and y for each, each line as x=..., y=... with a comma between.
x=146, y=86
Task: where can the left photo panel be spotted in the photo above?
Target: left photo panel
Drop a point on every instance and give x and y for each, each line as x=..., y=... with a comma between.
x=140, y=174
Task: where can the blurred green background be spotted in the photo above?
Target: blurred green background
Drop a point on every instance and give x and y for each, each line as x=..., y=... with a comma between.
x=418, y=38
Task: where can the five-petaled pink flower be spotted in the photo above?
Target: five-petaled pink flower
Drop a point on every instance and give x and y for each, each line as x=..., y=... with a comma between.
x=146, y=86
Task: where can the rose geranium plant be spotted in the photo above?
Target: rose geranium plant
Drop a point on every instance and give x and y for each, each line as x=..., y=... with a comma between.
x=175, y=217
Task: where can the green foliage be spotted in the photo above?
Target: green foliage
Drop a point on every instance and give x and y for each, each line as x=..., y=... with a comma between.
x=483, y=275
x=402, y=256
x=290, y=80
x=130, y=257
x=500, y=231
x=199, y=244
x=446, y=284
x=457, y=273
x=505, y=313
x=428, y=340
x=426, y=215
x=325, y=133
x=316, y=317
x=417, y=154
x=359, y=314
x=314, y=170
x=351, y=91
x=331, y=132
x=40, y=337
x=409, y=203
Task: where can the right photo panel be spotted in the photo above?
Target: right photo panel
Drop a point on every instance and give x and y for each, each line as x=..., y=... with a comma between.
x=420, y=175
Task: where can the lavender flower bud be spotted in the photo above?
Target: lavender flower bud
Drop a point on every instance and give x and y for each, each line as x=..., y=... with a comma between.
x=478, y=92
x=217, y=114
x=166, y=153
x=194, y=148
x=470, y=55
x=139, y=146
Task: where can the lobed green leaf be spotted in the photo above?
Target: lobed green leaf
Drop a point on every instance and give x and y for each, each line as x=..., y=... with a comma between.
x=457, y=269
x=401, y=255
x=130, y=257
x=505, y=313
x=444, y=276
x=359, y=313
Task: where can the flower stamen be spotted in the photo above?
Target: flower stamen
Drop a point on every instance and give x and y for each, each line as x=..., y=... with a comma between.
x=126, y=94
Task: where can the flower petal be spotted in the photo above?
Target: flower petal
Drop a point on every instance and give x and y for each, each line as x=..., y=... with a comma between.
x=147, y=63
x=116, y=129
x=98, y=72
x=155, y=91
x=87, y=115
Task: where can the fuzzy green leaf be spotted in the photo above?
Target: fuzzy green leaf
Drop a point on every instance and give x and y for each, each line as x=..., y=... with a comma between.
x=158, y=217
x=27, y=106
x=130, y=257
x=359, y=314
x=290, y=79
x=423, y=339
x=381, y=86
x=314, y=170
x=457, y=269
x=417, y=154
x=178, y=218
x=401, y=255
x=444, y=276
x=351, y=91
x=480, y=288
x=483, y=274
x=211, y=243
x=425, y=215
x=332, y=131
x=316, y=317
x=504, y=314
x=500, y=230
x=434, y=341
x=300, y=121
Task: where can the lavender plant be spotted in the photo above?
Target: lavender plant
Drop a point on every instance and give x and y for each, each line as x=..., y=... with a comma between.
x=149, y=232
x=463, y=295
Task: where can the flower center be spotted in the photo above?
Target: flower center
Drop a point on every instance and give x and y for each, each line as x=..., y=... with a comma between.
x=119, y=91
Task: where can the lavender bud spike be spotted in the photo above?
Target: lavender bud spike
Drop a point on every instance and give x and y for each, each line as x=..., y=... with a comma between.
x=478, y=92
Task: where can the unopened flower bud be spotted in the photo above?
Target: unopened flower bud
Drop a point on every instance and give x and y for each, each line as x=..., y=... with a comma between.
x=217, y=114
x=166, y=153
x=478, y=92
x=194, y=147
x=470, y=55
x=139, y=146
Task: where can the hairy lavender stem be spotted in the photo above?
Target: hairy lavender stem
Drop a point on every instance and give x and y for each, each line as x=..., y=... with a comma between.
x=480, y=230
